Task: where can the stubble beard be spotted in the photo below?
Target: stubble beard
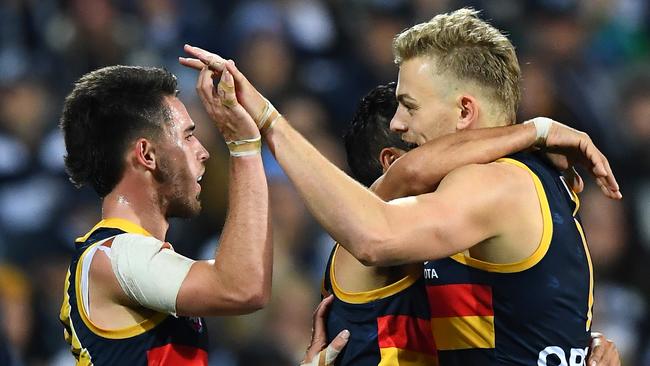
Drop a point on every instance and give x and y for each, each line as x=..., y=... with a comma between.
x=176, y=194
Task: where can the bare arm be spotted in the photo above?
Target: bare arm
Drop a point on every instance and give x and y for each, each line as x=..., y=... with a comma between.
x=238, y=280
x=373, y=231
x=424, y=167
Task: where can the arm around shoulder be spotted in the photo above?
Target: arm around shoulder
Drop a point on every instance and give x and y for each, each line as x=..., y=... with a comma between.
x=459, y=215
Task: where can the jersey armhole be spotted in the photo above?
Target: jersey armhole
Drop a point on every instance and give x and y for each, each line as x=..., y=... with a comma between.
x=545, y=241
x=82, y=294
x=371, y=295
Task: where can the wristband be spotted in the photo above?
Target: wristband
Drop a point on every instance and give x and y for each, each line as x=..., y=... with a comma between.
x=270, y=121
x=542, y=127
x=265, y=114
x=245, y=147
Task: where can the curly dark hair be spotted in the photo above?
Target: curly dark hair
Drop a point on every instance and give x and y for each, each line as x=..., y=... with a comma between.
x=107, y=109
x=369, y=132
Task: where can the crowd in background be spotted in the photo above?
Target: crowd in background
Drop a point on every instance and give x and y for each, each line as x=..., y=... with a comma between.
x=585, y=63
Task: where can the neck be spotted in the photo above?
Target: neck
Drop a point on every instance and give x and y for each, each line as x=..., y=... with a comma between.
x=492, y=118
x=128, y=202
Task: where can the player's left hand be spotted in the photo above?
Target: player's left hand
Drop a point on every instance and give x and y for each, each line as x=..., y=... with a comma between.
x=317, y=353
x=220, y=103
x=602, y=352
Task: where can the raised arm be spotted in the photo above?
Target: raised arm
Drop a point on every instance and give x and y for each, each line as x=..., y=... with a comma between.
x=238, y=280
x=355, y=217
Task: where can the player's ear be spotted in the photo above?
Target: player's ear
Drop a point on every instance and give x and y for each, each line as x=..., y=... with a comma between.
x=388, y=155
x=468, y=112
x=144, y=154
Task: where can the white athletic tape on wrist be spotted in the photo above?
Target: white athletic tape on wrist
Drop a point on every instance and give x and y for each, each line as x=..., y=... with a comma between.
x=245, y=147
x=330, y=355
x=542, y=127
x=148, y=273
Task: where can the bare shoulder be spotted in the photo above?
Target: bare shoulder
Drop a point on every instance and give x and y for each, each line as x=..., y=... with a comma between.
x=489, y=188
x=494, y=178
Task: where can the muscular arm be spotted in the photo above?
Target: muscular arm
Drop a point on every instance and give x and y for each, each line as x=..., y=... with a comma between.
x=373, y=231
x=423, y=168
x=238, y=280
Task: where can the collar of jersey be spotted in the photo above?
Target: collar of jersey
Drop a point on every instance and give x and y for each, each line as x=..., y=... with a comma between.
x=115, y=223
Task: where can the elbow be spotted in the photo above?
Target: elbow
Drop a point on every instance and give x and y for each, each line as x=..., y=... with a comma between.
x=376, y=252
x=250, y=301
x=256, y=301
x=257, y=295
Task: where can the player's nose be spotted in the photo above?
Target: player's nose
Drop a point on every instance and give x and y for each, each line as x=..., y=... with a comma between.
x=397, y=124
x=203, y=154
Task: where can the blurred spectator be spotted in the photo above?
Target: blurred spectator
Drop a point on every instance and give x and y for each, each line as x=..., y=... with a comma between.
x=15, y=310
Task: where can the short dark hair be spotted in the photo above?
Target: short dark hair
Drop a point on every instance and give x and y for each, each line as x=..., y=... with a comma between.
x=369, y=132
x=107, y=109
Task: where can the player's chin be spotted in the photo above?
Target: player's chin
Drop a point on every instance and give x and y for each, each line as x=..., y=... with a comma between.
x=187, y=210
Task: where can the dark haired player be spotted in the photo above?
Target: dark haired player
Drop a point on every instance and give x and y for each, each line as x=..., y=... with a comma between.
x=129, y=298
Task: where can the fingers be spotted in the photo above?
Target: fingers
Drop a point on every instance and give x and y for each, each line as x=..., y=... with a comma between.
x=339, y=342
x=319, y=319
x=226, y=90
x=602, y=171
x=318, y=332
x=193, y=63
x=327, y=356
x=608, y=179
x=230, y=66
x=204, y=87
x=610, y=356
x=596, y=349
x=214, y=61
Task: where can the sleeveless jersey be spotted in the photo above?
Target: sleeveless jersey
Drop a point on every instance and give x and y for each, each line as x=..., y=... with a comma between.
x=161, y=339
x=534, y=312
x=388, y=326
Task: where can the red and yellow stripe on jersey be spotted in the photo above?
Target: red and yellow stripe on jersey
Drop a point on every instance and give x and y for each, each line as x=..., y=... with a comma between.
x=533, y=312
x=388, y=326
x=160, y=340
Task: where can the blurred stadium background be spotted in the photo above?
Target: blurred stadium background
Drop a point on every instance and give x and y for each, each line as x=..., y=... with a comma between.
x=585, y=63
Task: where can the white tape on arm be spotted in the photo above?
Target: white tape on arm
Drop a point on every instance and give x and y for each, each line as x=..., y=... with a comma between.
x=148, y=273
x=325, y=357
x=542, y=128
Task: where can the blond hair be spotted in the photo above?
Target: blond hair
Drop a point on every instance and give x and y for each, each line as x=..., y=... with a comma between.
x=469, y=49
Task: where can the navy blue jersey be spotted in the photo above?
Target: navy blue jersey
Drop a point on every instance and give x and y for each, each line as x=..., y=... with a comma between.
x=534, y=312
x=388, y=326
x=161, y=339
